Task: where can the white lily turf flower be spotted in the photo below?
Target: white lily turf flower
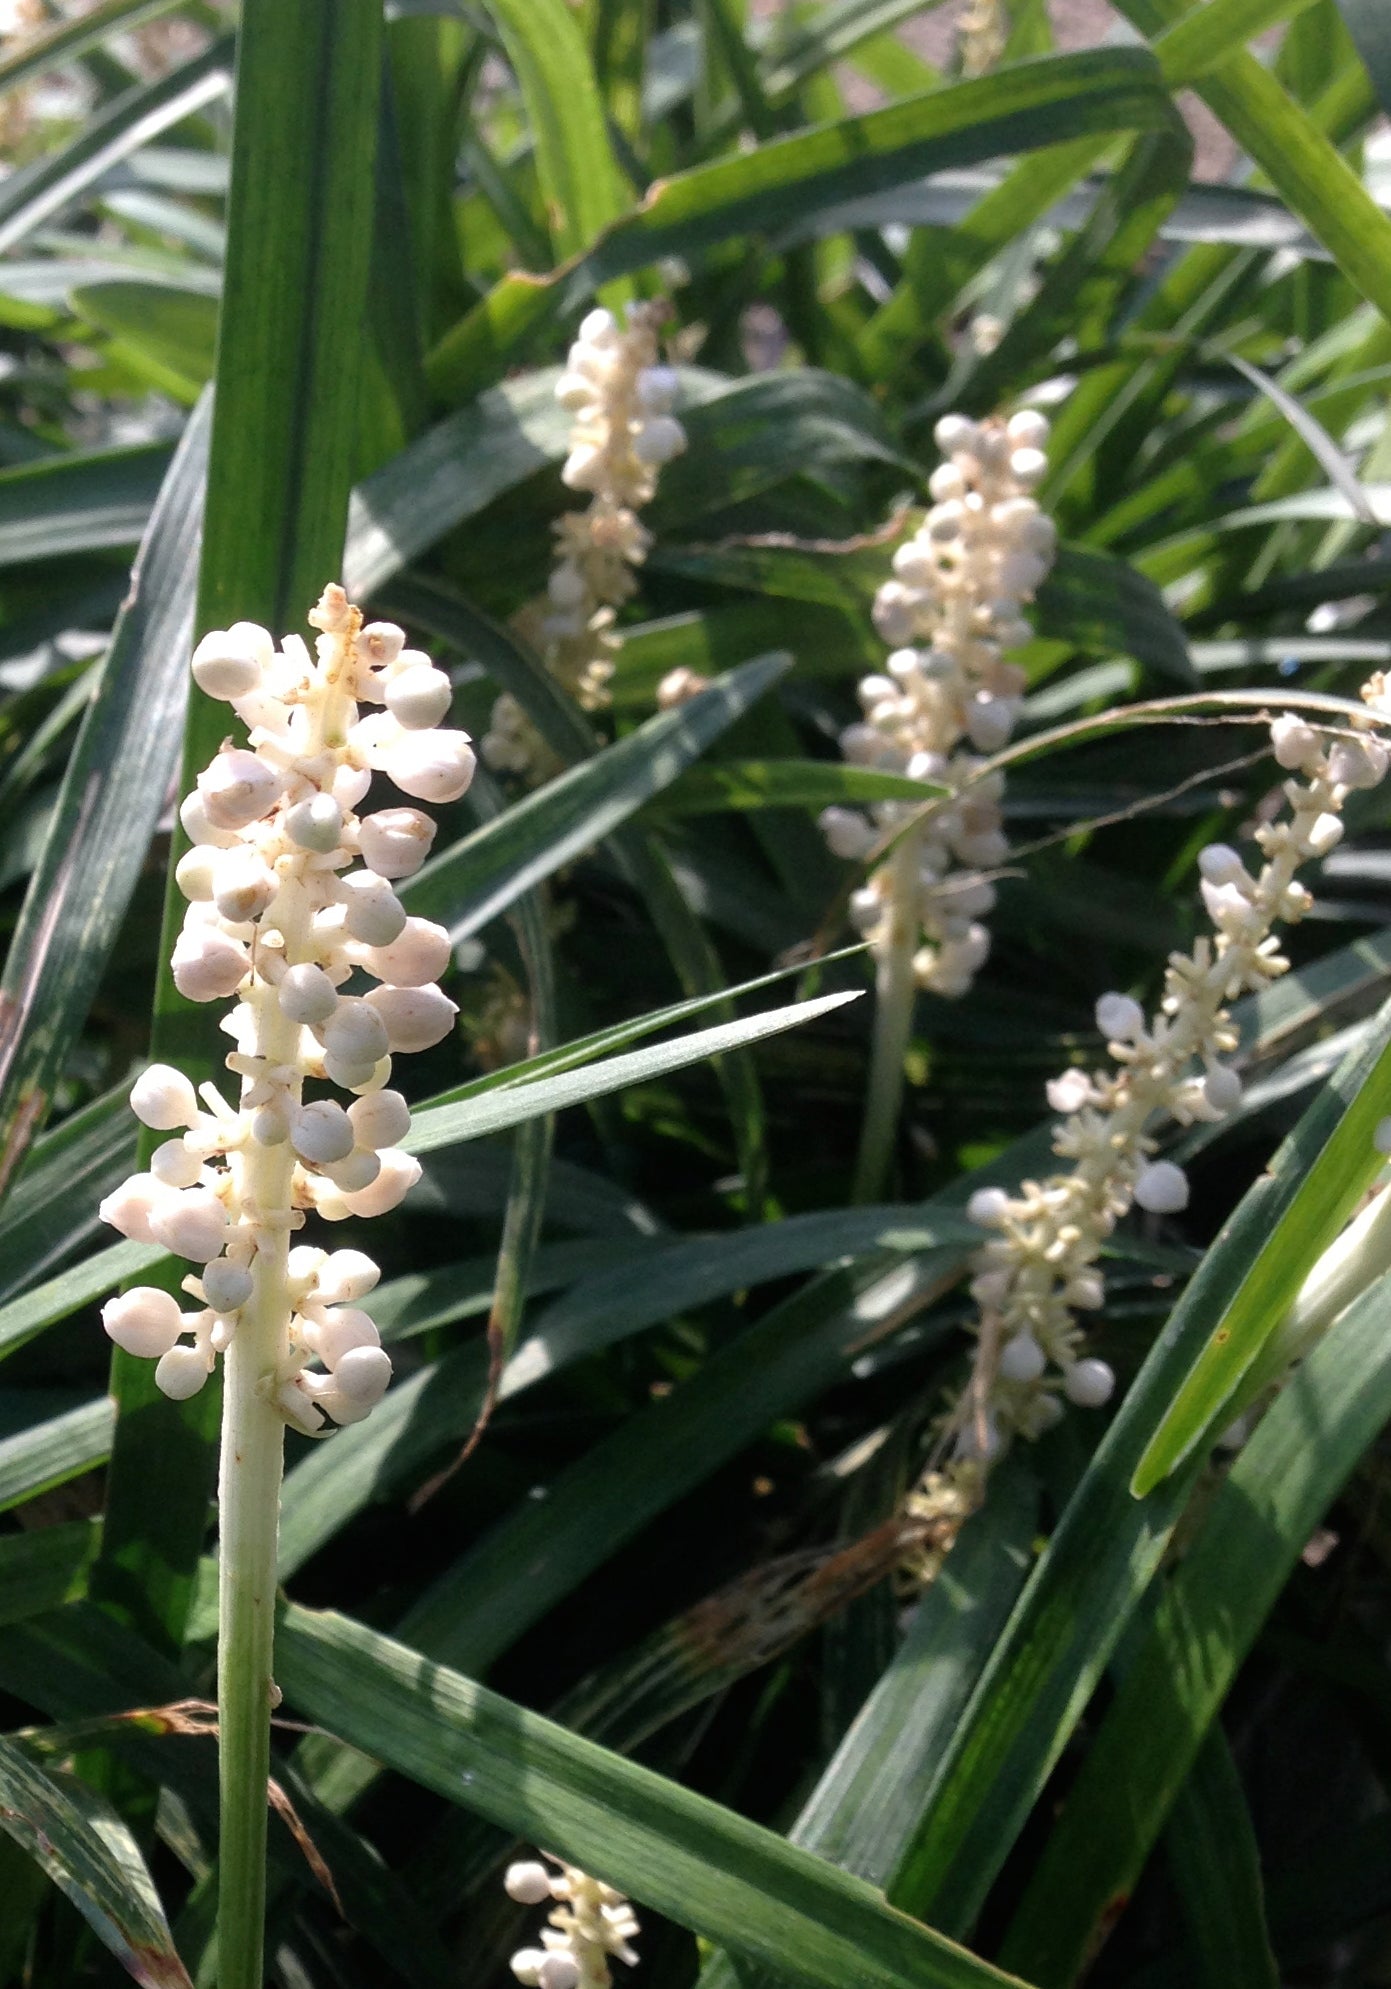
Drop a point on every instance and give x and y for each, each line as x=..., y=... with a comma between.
x=1039, y=1268
x=621, y=396
x=278, y=917
x=949, y=696
x=589, y=1923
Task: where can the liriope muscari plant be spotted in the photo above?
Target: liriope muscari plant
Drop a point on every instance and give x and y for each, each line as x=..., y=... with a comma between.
x=950, y=695
x=1039, y=1270
x=589, y=1923
x=290, y=898
x=622, y=398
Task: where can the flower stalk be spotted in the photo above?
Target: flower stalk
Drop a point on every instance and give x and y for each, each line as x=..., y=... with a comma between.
x=952, y=610
x=279, y=918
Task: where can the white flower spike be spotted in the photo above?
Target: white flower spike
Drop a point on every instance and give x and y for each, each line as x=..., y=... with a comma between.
x=1038, y=1268
x=949, y=697
x=278, y=917
x=621, y=396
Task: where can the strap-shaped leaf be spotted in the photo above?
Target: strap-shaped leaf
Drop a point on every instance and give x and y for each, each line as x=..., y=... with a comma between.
x=38, y=191
x=117, y=780
x=579, y=177
x=89, y=1853
x=702, y=1865
x=1020, y=109
x=1257, y=1527
x=444, y=1125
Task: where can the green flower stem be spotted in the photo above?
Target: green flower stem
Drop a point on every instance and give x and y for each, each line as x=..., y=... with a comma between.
x=253, y=1449
x=896, y=991
x=253, y=1463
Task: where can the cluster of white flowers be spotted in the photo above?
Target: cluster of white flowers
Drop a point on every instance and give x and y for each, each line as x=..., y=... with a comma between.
x=951, y=611
x=279, y=917
x=1039, y=1268
x=589, y=1922
x=622, y=399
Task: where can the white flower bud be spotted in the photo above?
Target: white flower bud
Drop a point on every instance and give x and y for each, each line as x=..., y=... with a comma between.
x=598, y=327
x=270, y=1126
x=355, y=1033
x=380, y=1120
x=1022, y=1359
x=956, y=435
x=344, y=1328
x=1028, y=429
x=1295, y=744
x=847, y=834
x=658, y=387
x=131, y=1207
x=181, y=1372
x=1162, y=1188
x=1028, y=466
x=358, y=1170
x=528, y=1882
x=419, y=954
x=989, y=722
x=395, y=841
x=659, y=440
x=1356, y=762
x=399, y=1174
x=315, y=824
x=1120, y=1018
x=1090, y=1384
x=195, y=870
x=237, y=789
x=145, y=1321
x=1222, y=1089
x=162, y=1098
x=415, y=1018
x=558, y=1971
x=372, y=911
x=363, y=1374
x=433, y=766
x=1220, y=864
x=321, y=1132
x=1325, y=834
x=347, y=1073
x=345, y=1275
x=420, y=697
x=526, y=1966
x=228, y=662
x=242, y=886
x=1069, y=1092
x=306, y=994
x=987, y=1206
x=349, y=785
x=176, y=1165
x=226, y=1286
x=191, y=1223
x=208, y=965
x=199, y=827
